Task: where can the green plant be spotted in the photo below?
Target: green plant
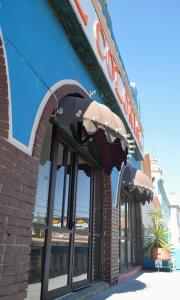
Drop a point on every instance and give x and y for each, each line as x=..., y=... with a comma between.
x=156, y=235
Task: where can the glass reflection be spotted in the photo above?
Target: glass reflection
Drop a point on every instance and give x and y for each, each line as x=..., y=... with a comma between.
x=59, y=188
x=81, y=255
x=37, y=253
x=62, y=187
x=83, y=196
x=43, y=180
x=133, y=232
x=114, y=185
x=122, y=233
x=123, y=219
x=39, y=220
x=122, y=253
x=129, y=251
x=59, y=260
x=128, y=230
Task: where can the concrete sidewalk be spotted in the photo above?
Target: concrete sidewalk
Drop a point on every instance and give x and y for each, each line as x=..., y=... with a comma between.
x=144, y=286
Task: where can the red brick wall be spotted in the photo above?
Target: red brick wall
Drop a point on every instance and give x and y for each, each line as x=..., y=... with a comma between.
x=115, y=245
x=18, y=181
x=107, y=234
x=111, y=234
x=97, y=255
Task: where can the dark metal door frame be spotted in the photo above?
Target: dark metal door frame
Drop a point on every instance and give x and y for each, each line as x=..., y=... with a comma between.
x=45, y=294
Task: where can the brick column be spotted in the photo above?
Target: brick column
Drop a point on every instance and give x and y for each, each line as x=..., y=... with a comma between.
x=115, y=245
x=111, y=234
x=107, y=232
x=97, y=255
x=17, y=194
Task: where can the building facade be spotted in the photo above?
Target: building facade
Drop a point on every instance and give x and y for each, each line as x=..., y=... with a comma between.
x=162, y=202
x=67, y=120
x=175, y=228
x=159, y=190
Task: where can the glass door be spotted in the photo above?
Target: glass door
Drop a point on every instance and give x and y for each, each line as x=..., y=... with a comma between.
x=68, y=248
x=82, y=241
x=61, y=230
x=61, y=243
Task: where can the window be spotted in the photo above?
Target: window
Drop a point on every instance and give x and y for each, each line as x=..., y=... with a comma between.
x=127, y=231
x=114, y=185
x=40, y=219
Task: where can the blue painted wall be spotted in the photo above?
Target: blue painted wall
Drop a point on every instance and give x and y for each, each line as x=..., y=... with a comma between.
x=39, y=55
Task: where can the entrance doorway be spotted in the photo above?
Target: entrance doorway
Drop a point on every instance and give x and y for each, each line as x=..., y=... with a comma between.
x=62, y=226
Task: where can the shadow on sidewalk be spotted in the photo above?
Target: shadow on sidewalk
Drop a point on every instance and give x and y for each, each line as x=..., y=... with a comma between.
x=128, y=285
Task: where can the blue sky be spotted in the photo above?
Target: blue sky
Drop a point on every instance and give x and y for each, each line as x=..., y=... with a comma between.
x=148, y=36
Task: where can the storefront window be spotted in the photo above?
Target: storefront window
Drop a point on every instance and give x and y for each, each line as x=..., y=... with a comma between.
x=127, y=231
x=82, y=222
x=62, y=187
x=114, y=185
x=60, y=240
x=41, y=203
x=122, y=233
x=59, y=259
x=39, y=220
x=83, y=196
x=133, y=233
x=81, y=256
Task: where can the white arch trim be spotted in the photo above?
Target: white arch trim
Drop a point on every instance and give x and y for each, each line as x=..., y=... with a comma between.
x=28, y=149
x=43, y=103
x=8, y=82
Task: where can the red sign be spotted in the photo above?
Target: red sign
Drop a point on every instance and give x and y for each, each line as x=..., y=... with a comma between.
x=107, y=58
